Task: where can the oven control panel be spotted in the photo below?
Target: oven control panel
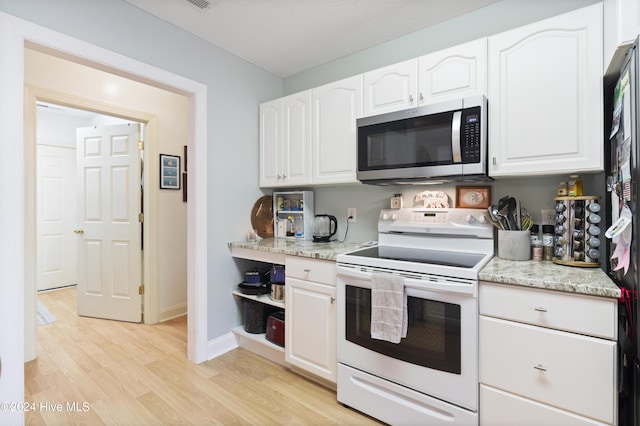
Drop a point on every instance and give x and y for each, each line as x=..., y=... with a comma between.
x=445, y=221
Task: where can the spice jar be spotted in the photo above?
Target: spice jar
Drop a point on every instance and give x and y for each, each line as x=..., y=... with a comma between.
x=536, y=243
x=563, y=190
x=547, y=242
x=574, y=186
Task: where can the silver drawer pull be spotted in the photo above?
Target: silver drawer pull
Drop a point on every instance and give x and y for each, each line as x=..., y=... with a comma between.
x=539, y=367
x=307, y=270
x=540, y=309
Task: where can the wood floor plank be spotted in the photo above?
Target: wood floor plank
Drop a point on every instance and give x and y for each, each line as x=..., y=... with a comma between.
x=138, y=374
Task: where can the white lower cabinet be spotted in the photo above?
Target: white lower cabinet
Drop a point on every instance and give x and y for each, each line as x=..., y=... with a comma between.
x=532, y=371
x=310, y=316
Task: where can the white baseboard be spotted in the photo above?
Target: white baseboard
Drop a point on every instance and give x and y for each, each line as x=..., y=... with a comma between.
x=221, y=345
x=172, y=312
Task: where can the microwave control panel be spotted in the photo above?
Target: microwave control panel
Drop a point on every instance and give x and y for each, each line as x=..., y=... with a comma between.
x=471, y=136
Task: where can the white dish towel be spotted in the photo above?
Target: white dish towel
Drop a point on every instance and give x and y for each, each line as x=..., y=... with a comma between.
x=388, y=307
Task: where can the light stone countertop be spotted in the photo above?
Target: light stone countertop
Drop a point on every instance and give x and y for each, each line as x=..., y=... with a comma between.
x=544, y=275
x=550, y=276
x=293, y=247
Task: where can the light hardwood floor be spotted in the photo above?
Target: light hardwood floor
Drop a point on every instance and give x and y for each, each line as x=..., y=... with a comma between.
x=135, y=374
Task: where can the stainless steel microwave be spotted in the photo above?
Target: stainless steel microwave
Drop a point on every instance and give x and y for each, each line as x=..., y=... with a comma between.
x=434, y=143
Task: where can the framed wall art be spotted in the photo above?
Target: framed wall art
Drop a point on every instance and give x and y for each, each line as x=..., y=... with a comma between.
x=473, y=197
x=170, y=175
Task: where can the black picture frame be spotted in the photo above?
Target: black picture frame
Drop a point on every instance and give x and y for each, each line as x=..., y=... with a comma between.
x=170, y=175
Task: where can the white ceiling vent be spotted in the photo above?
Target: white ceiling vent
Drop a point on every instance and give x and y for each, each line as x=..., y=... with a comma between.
x=203, y=5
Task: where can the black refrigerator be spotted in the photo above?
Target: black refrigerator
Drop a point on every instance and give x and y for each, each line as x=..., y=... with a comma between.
x=621, y=144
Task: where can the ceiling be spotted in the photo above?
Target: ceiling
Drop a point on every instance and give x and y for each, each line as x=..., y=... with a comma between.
x=286, y=37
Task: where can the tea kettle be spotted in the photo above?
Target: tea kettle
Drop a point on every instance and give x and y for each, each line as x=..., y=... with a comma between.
x=325, y=226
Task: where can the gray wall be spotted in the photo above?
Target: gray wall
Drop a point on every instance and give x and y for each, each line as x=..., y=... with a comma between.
x=235, y=89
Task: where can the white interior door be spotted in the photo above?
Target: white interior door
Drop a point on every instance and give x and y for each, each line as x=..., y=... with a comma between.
x=109, y=232
x=56, y=217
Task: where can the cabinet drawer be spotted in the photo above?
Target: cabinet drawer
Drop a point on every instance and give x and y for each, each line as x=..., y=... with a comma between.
x=500, y=408
x=568, y=371
x=319, y=271
x=593, y=316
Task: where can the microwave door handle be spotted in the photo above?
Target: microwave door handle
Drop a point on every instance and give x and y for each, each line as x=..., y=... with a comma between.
x=455, y=136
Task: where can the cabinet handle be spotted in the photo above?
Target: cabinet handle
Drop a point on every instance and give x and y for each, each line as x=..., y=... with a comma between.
x=278, y=176
x=421, y=97
x=540, y=309
x=494, y=161
x=78, y=231
x=410, y=99
x=539, y=367
x=307, y=270
x=333, y=299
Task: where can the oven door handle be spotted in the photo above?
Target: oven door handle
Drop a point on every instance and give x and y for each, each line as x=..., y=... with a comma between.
x=444, y=287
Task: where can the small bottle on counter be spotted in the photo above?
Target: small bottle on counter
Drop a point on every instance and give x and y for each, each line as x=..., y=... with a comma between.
x=291, y=227
x=536, y=243
x=547, y=242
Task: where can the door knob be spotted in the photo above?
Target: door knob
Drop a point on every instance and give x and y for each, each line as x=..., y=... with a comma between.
x=78, y=231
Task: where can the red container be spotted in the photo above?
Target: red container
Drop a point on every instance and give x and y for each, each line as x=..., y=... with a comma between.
x=275, y=328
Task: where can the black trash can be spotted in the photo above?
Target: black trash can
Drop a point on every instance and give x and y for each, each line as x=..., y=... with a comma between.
x=256, y=315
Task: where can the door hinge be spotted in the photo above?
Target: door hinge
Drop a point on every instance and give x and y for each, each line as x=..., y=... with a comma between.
x=140, y=145
x=141, y=289
x=140, y=217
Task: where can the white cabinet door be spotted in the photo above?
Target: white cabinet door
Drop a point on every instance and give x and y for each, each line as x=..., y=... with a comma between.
x=336, y=106
x=545, y=96
x=296, y=138
x=391, y=88
x=271, y=143
x=453, y=73
x=310, y=339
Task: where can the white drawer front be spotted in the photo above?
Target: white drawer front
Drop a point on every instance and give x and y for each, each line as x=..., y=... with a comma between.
x=499, y=408
x=568, y=371
x=319, y=271
x=590, y=315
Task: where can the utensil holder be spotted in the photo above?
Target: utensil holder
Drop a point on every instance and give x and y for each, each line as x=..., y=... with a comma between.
x=577, y=230
x=514, y=245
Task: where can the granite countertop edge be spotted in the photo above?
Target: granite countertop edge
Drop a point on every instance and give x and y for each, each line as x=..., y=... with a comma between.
x=294, y=247
x=550, y=276
x=543, y=275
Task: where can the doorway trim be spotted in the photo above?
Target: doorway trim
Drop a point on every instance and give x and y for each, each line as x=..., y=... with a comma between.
x=14, y=34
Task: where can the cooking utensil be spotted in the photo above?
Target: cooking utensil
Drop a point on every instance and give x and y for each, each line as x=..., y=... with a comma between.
x=495, y=223
x=277, y=274
x=495, y=216
x=262, y=216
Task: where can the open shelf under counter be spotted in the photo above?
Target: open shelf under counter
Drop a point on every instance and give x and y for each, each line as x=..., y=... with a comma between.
x=262, y=298
x=259, y=344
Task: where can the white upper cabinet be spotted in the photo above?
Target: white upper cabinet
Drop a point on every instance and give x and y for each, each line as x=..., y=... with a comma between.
x=391, y=88
x=545, y=96
x=296, y=135
x=621, y=27
x=271, y=143
x=285, y=141
x=453, y=73
x=447, y=74
x=336, y=106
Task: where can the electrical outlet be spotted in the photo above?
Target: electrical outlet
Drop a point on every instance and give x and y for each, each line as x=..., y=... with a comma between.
x=548, y=217
x=351, y=212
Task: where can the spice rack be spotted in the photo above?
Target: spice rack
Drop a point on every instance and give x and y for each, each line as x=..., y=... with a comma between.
x=577, y=230
x=297, y=205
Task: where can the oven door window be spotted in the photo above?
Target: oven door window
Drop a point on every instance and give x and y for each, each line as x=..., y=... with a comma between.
x=433, y=332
